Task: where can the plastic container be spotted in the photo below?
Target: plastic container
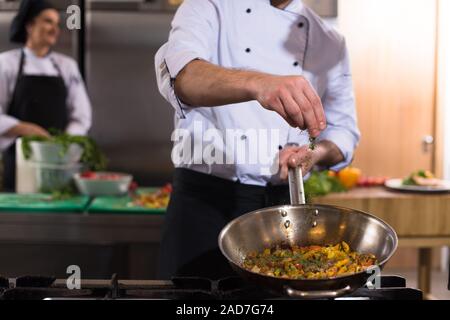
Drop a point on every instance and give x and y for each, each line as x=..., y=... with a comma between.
x=52, y=177
x=53, y=153
x=103, y=187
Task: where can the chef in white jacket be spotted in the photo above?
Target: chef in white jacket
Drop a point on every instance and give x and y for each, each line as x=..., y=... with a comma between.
x=244, y=69
x=39, y=88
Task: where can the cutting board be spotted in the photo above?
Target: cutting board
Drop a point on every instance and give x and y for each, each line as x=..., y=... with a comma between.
x=12, y=202
x=122, y=205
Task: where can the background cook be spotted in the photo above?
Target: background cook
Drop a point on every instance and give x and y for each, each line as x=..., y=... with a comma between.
x=39, y=88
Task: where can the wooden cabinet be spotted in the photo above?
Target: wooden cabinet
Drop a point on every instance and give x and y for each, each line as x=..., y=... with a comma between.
x=392, y=45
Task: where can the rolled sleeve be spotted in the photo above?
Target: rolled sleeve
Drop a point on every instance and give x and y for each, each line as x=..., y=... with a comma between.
x=194, y=35
x=340, y=111
x=6, y=123
x=166, y=85
x=178, y=61
x=345, y=141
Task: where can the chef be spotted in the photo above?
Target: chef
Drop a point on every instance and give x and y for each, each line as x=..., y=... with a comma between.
x=246, y=67
x=39, y=88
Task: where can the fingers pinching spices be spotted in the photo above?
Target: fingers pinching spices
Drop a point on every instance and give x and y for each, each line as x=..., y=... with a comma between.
x=312, y=143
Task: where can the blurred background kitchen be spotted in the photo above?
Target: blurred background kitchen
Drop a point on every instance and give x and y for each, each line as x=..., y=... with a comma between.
x=400, y=54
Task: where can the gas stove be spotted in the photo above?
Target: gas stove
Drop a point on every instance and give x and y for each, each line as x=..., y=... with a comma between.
x=46, y=288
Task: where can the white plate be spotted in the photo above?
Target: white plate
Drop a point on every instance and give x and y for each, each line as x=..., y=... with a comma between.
x=397, y=184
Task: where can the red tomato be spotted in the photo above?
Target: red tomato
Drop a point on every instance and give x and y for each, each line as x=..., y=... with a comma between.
x=88, y=175
x=167, y=188
x=101, y=176
x=371, y=181
x=109, y=176
x=133, y=186
x=362, y=182
x=379, y=181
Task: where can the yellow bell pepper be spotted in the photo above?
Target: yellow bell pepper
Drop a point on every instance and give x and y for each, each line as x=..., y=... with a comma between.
x=349, y=177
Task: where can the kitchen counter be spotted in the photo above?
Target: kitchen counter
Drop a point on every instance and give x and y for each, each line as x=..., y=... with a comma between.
x=421, y=221
x=105, y=235
x=35, y=217
x=35, y=203
x=47, y=243
x=80, y=228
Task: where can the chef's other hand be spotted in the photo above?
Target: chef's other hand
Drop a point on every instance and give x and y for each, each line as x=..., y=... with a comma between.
x=292, y=157
x=293, y=98
x=28, y=129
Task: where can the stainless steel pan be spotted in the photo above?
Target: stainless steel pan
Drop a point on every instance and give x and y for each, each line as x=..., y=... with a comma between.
x=303, y=225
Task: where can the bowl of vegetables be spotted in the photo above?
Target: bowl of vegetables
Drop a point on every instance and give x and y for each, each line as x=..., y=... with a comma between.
x=95, y=184
x=57, y=158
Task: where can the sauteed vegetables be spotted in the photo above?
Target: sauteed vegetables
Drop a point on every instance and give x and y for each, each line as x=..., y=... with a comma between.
x=312, y=262
x=154, y=200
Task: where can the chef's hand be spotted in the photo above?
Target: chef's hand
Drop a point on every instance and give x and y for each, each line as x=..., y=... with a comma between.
x=293, y=98
x=292, y=157
x=325, y=154
x=27, y=129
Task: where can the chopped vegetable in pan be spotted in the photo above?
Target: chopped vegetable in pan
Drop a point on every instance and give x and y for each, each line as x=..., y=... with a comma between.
x=313, y=262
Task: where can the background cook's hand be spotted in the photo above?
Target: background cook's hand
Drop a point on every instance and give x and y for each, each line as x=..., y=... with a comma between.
x=28, y=129
x=293, y=98
x=291, y=157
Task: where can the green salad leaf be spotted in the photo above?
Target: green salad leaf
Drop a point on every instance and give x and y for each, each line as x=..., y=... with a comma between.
x=409, y=181
x=92, y=157
x=321, y=184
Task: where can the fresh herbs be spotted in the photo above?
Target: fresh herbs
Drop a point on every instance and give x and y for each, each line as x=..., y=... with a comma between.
x=92, y=157
x=321, y=184
x=312, y=143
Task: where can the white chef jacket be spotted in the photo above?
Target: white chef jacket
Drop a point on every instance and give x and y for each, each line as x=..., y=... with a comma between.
x=254, y=35
x=77, y=98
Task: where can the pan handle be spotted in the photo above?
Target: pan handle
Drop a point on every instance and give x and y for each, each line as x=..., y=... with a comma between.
x=296, y=188
x=323, y=294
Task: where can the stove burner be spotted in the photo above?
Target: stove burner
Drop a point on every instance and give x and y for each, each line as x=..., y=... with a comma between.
x=38, y=288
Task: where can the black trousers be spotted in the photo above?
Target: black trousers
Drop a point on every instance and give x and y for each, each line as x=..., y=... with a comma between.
x=201, y=205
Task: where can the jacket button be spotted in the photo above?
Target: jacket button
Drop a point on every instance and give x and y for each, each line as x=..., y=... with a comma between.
x=249, y=10
x=248, y=50
x=301, y=25
x=296, y=64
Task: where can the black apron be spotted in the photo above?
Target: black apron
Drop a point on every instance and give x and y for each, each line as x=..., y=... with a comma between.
x=200, y=206
x=37, y=99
